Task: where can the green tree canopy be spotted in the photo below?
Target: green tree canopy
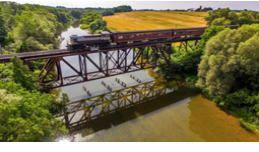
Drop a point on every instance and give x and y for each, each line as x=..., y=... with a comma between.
x=3, y=28
x=27, y=116
x=38, y=34
x=76, y=13
x=188, y=61
x=90, y=17
x=122, y=8
x=94, y=22
x=229, y=56
x=221, y=21
x=107, y=12
x=226, y=17
x=21, y=74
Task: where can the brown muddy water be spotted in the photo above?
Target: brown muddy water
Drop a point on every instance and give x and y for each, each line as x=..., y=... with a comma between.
x=155, y=110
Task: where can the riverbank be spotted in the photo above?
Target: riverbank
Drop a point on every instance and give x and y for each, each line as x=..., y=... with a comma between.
x=191, y=80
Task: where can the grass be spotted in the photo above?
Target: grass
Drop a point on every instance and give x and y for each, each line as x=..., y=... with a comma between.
x=146, y=20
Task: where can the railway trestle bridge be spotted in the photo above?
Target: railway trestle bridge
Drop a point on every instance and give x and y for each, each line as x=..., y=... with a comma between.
x=108, y=61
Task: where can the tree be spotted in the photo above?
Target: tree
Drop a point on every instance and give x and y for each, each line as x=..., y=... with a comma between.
x=188, y=61
x=221, y=13
x=38, y=34
x=28, y=116
x=24, y=47
x=3, y=28
x=76, y=13
x=229, y=56
x=22, y=75
x=93, y=21
x=122, y=8
x=90, y=17
x=6, y=72
x=221, y=21
x=107, y=12
x=225, y=17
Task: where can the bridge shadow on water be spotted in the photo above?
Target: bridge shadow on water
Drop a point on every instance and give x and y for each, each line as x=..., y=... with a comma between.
x=111, y=109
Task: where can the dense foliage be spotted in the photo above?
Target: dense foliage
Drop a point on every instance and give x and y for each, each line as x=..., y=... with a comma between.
x=226, y=17
x=123, y=8
x=34, y=33
x=230, y=55
x=76, y=13
x=26, y=114
x=21, y=74
x=30, y=27
x=229, y=72
x=107, y=12
x=94, y=22
x=3, y=28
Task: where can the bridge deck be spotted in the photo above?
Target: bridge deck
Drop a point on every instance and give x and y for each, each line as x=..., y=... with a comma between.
x=64, y=52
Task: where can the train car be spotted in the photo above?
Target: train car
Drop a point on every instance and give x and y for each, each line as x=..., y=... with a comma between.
x=232, y=26
x=188, y=32
x=141, y=36
x=192, y=32
x=88, y=41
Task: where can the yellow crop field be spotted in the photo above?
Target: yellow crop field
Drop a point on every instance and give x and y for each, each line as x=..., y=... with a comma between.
x=147, y=20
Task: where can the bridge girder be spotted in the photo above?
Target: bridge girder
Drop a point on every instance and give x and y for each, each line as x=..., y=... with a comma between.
x=109, y=63
x=112, y=61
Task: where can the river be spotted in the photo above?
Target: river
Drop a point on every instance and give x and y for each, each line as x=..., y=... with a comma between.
x=155, y=110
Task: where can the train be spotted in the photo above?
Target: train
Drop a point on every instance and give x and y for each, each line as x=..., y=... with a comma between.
x=104, y=38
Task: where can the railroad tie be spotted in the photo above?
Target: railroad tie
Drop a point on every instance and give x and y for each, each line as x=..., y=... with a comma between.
x=87, y=91
x=120, y=82
x=106, y=86
x=136, y=79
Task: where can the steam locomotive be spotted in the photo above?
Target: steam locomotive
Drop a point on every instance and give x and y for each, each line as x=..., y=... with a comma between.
x=104, y=38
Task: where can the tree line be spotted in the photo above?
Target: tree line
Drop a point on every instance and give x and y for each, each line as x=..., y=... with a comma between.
x=227, y=17
x=122, y=8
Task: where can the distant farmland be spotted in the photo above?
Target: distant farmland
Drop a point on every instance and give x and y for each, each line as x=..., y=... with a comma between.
x=144, y=20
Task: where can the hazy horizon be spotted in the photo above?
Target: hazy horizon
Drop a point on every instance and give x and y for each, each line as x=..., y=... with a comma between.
x=233, y=5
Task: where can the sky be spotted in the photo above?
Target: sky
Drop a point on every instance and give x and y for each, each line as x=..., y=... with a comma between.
x=234, y=5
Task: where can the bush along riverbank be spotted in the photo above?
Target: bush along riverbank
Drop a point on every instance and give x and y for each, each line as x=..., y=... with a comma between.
x=225, y=69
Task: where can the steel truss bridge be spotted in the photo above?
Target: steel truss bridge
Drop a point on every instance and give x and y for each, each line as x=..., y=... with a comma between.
x=111, y=61
x=113, y=108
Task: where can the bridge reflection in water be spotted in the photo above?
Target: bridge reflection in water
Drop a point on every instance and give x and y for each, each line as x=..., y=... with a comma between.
x=114, y=108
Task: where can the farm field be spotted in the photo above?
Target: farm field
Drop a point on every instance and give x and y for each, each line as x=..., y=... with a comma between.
x=147, y=20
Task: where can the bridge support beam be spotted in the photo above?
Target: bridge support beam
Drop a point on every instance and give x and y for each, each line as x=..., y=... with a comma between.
x=189, y=45
x=109, y=63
